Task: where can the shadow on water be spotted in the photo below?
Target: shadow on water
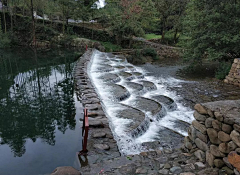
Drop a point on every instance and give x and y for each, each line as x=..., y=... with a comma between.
x=36, y=100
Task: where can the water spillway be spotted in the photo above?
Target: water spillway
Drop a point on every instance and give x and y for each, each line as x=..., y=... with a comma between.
x=139, y=107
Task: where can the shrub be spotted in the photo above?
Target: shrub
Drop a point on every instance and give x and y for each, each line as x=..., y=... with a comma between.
x=5, y=40
x=150, y=52
x=223, y=70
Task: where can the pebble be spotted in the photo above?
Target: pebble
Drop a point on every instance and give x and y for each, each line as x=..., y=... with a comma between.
x=167, y=166
x=163, y=171
x=176, y=170
x=199, y=165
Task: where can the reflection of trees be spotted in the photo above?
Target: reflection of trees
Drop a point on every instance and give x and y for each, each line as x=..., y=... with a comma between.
x=34, y=103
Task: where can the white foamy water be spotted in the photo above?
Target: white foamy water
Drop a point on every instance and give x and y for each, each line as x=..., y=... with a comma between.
x=175, y=121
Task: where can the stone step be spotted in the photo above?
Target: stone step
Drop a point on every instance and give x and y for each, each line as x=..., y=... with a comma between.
x=166, y=101
x=148, y=105
x=118, y=92
x=148, y=85
x=126, y=76
x=113, y=78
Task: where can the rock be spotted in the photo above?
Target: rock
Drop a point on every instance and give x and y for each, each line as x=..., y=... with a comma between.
x=229, y=121
x=224, y=137
x=200, y=109
x=208, y=122
x=200, y=155
x=215, y=151
x=167, y=166
x=95, y=124
x=187, y=143
x=99, y=135
x=217, y=125
x=188, y=167
x=229, y=165
x=161, y=166
x=236, y=171
x=219, y=116
x=210, y=113
x=210, y=158
x=101, y=146
x=237, y=150
x=227, y=147
x=201, y=145
x=218, y=163
x=234, y=159
x=199, y=127
x=176, y=170
x=163, y=171
x=201, y=136
x=213, y=136
x=141, y=171
x=199, y=165
x=235, y=136
x=192, y=133
x=199, y=117
x=66, y=170
x=187, y=173
x=226, y=170
x=227, y=128
x=236, y=127
x=208, y=171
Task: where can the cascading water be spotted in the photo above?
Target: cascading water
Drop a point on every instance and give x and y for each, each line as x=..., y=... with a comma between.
x=139, y=107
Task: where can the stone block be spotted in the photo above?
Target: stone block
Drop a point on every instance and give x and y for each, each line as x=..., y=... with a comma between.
x=200, y=155
x=227, y=147
x=188, y=142
x=229, y=165
x=218, y=116
x=227, y=128
x=234, y=159
x=236, y=127
x=208, y=122
x=200, y=109
x=201, y=145
x=217, y=125
x=192, y=133
x=213, y=136
x=199, y=117
x=215, y=151
x=210, y=158
x=199, y=127
x=235, y=136
x=201, y=136
x=224, y=137
x=218, y=163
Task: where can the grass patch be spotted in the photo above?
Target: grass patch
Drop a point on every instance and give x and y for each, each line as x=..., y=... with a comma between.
x=152, y=36
x=110, y=47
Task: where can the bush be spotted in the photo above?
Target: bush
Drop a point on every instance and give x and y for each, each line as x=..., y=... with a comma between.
x=150, y=52
x=223, y=70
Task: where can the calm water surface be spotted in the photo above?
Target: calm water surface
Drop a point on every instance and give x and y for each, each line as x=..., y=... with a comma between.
x=39, y=114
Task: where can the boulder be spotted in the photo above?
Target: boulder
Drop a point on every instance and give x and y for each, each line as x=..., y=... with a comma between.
x=200, y=155
x=234, y=159
x=66, y=170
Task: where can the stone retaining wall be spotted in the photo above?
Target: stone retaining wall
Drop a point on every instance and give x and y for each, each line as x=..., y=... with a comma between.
x=214, y=135
x=234, y=74
x=101, y=144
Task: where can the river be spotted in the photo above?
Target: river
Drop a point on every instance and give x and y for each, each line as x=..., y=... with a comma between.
x=39, y=113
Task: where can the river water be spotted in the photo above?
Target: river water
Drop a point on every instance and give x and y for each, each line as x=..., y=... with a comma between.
x=39, y=113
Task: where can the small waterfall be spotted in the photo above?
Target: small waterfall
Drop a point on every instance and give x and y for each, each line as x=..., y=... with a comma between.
x=139, y=107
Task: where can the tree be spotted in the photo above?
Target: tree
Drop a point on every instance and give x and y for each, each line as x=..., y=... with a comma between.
x=213, y=28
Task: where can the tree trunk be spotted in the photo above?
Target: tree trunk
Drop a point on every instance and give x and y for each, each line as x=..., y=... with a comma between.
x=4, y=20
x=33, y=25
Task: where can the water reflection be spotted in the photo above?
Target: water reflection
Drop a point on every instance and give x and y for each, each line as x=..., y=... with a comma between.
x=36, y=97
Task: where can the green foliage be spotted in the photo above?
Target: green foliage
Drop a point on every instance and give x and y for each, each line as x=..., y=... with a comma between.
x=152, y=36
x=150, y=52
x=213, y=28
x=110, y=47
x=223, y=70
x=5, y=40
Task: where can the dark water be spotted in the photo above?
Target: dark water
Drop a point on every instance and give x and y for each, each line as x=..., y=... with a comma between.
x=39, y=114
